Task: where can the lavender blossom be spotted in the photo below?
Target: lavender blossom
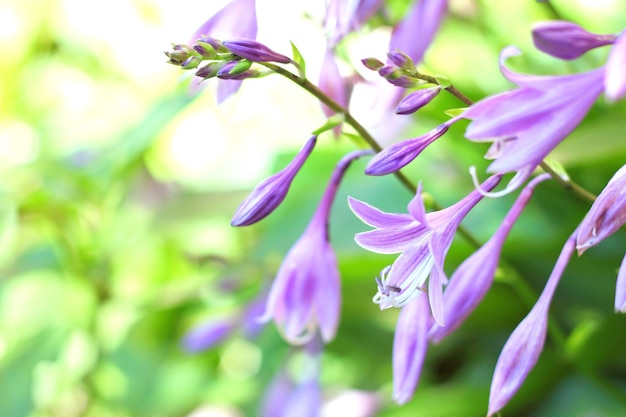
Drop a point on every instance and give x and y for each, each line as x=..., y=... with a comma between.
x=620, y=288
x=409, y=347
x=615, y=79
x=334, y=86
x=525, y=124
x=417, y=99
x=522, y=350
x=236, y=19
x=398, y=155
x=268, y=195
x=423, y=240
x=344, y=16
x=473, y=278
x=566, y=40
x=254, y=51
x=208, y=334
x=305, y=294
x=606, y=215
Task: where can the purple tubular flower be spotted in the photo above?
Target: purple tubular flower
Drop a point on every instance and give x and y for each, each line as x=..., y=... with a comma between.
x=268, y=195
x=400, y=154
x=207, y=335
x=525, y=124
x=254, y=51
x=606, y=215
x=620, y=288
x=566, y=40
x=416, y=32
x=344, y=16
x=410, y=344
x=305, y=294
x=615, y=79
x=423, y=241
x=522, y=350
x=473, y=278
x=417, y=99
x=236, y=19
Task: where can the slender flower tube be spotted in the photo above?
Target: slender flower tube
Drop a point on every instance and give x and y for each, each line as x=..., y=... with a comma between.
x=254, y=51
x=305, y=294
x=606, y=215
x=566, y=40
x=399, y=155
x=270, y=193
x=522, y=350
x=417, y=99
x=525, y=124
x=410, y=344
x=620, y=288
x=423, y=240
x=473, y=278
x=615, y=79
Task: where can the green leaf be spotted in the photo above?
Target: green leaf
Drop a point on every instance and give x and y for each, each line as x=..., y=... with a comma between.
x=333, y=121
x=557, y=167
x=443, y=81
x=455, y=112
x=299, y=61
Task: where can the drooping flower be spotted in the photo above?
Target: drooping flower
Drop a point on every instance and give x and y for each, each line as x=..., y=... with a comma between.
x=305, y=295
x=236, y=19
x=410, y=344
x=473, y=278
x=566, y=40
x=522, y=349
x=422, y=239
x=527, y=123
x=615, y=79
x=268, y=195
x=606, y=215
x=398, y=155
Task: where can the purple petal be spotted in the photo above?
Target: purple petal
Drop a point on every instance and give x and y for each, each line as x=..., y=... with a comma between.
x=615, y=80
x=371, y=216
x=389, y=241
x=620, y=288
x=207, y=335
x=236, y=19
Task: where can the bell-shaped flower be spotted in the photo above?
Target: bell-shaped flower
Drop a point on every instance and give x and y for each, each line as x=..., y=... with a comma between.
x=615, y=79
x=566, y=40
x=399, y=155
x=268, y=195
x=522, y=349
x=527, y=123
x=345, y=16
x=423, y=240
x=620, y=288
x=607, y=214
x=417, y=99
x=410, y=344
x=473, y=278
x=236, y=19
x=305, y=294
x=414, y=34
x=254, y=51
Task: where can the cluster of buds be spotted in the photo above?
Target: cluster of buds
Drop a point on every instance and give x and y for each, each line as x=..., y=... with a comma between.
x=227, y=60
x=400, y=71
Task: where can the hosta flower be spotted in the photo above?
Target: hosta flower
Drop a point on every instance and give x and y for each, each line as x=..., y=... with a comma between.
x=525, y=124
x=254, y=51
x=422, y=239
x=522, y=349
x=208, y=334
x=566, y=40
x=344, y=16
x=305, y=294
x=473, y=278
x=268, y=195
x=615, y=79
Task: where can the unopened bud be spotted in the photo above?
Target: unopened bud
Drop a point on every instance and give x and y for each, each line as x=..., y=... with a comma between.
x=566, y=40
x=402, y=61
x=191, y=62
x=205, y=50
x=372, y=63
x=254, y=51
x=417, y=99
x=214, y=43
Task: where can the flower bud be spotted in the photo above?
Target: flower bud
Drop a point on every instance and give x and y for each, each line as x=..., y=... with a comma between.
x=372, y=63
x=402, y=61
x=205, y=50
x=417, y=99
x=254, y=51
x=191, y=62
x=396, y=77
x=566, y=40
x=210, y=70
x=214, y=43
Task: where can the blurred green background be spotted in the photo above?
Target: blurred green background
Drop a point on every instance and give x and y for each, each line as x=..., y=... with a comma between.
x=118, y=185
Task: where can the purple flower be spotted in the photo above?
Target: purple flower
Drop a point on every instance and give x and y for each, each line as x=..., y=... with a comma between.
x=208, y=334
x=305, y=294
x=344, y=16
x=409, y=347
x=400, y=154
x=236, y=19
x=525, y=124
x=473, y=278
x=620, y=288
x=606, y=215
x=423, y=241
x=615, y=79
x=417, y=99
x=521, y=351
x=334, y=86
x=254, y=51
x=566, y=40
x=268, y=195
x=416, y=32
